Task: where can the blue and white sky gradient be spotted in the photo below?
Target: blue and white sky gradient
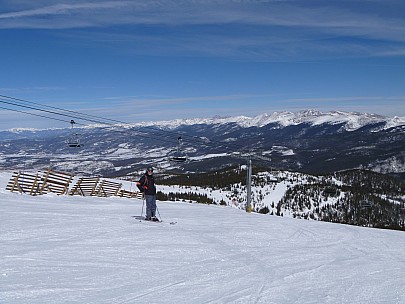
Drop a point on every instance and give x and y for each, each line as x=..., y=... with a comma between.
x=157, y=60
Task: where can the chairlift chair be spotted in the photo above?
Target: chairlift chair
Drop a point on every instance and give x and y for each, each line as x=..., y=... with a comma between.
x=74, y=139
x=178, y=156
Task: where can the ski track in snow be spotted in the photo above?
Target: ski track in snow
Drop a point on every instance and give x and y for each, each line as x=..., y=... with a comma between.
x=61, y=249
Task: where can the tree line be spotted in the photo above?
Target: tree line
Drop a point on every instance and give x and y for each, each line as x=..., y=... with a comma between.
x=355, y=197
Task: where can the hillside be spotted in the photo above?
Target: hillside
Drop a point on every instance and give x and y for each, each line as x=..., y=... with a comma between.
x=63, y=249
x=356, y=197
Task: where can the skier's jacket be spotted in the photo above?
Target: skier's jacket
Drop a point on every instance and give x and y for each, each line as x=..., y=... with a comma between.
x=147, y=184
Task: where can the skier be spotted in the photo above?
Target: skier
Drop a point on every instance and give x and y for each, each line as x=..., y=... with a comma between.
x=146, y=185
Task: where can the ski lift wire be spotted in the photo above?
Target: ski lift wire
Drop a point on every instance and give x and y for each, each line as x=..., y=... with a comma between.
x=68, y=115
x=159, y=136
x=101, y=120
x=50, y=112
x=33, y=114
x=56, y=108
x=89, y=117
x=44, y=116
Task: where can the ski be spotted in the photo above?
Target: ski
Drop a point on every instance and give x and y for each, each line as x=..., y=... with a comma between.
x=143, y=219
x=153, y=221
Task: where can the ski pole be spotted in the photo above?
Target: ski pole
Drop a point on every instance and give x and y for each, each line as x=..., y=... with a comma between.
x=143, y=203
x=157, y=209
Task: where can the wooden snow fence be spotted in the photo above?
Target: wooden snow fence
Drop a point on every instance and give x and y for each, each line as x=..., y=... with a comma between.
x=130, y=194
x=37, y=184
x=85, y=186
x=59, y=182
x=23, y=182
x=93, y=186
x=107, y=188
x=56, y=182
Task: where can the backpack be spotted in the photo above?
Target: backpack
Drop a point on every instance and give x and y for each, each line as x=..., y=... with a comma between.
x=141, y=185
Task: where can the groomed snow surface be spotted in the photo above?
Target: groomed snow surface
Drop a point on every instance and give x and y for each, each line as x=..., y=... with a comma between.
x=63, y=249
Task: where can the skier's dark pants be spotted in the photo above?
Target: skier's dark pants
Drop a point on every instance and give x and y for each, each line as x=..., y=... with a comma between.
x=150, y=205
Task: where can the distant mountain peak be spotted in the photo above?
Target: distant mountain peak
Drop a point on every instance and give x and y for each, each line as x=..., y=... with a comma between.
x=351, y=120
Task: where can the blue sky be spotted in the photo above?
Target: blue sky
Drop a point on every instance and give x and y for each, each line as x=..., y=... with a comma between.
x=156, y=60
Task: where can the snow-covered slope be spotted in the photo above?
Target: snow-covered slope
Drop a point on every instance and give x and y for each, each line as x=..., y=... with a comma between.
x=62, y=249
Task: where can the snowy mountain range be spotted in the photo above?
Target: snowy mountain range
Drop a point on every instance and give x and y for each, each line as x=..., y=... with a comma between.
x=309, y=141
x=351, y=120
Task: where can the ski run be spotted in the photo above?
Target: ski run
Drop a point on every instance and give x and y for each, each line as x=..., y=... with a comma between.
x=64, y=249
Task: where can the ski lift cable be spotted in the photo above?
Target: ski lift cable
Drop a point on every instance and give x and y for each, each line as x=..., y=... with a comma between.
x=179, y=159
x=54, y=113
x=33, y=114
x=44, y=110
x=156, y=136
x=101, y=120
x=155, y=131
x=81, y=116
x=87, y=116
x=78, y=114
x=71, y=143
x=51, y=112
x=60, y=109
x=52, y=118
x=160, y=132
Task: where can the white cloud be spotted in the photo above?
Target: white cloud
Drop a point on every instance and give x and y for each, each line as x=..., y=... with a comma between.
x=330, y=17
x=265, y=30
